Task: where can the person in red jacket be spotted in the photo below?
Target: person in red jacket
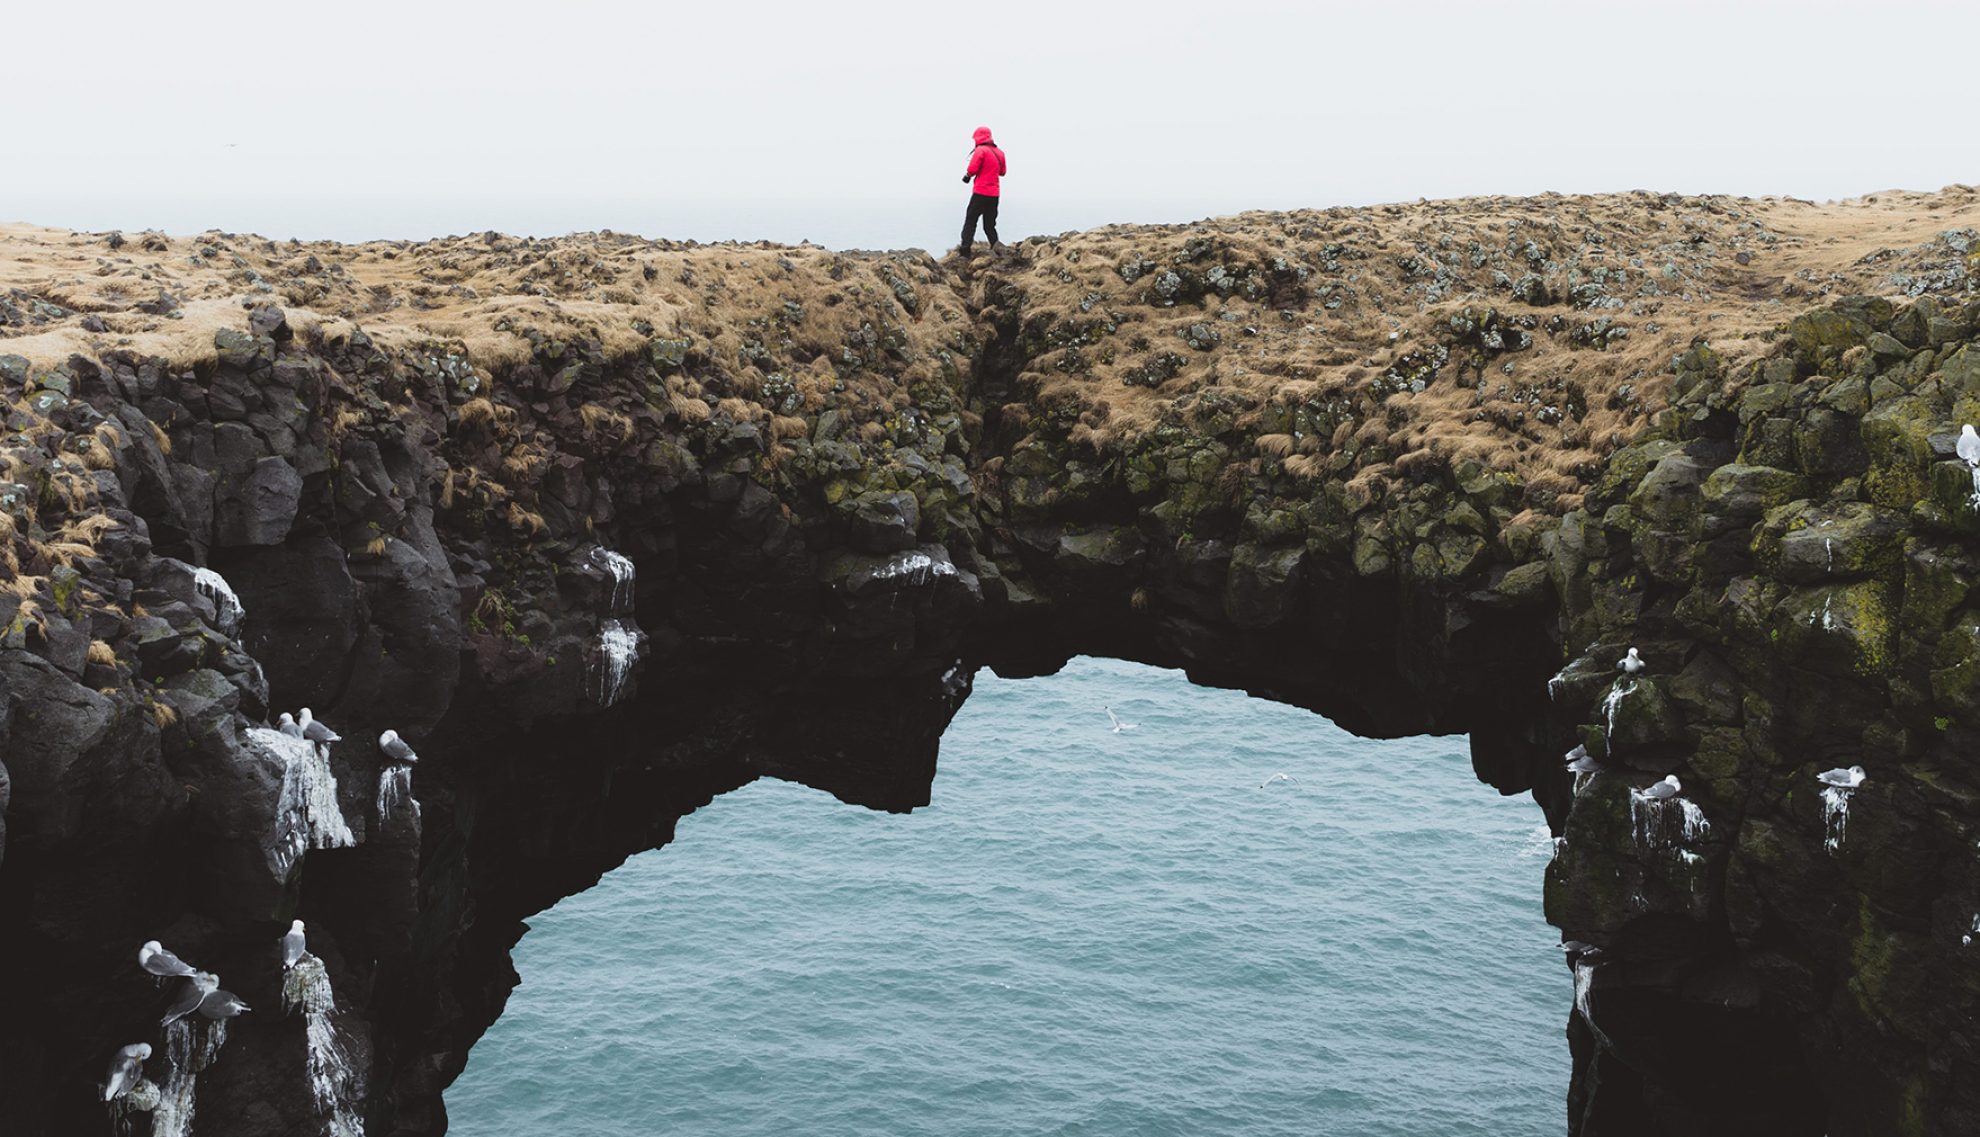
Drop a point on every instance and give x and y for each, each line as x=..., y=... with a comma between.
x=986, y=166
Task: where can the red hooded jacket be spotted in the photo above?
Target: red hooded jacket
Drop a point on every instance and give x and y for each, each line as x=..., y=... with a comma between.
x=987, y=163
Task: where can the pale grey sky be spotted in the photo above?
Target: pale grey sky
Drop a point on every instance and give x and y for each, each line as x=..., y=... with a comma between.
x=847, y=121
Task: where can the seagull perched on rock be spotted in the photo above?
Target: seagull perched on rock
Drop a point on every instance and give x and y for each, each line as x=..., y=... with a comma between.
x=1842, y=779
x=1632, y=663
x=395, y=748
x=192, y=993
x=1119, y=726
x=1968, y=446
x=126, y=1070
x=156, y=960
x=1281, y=776
x=1580, y=761
x=292, y=945
x=222, y=1005
x=315, y=731
x=1661, y=791
x=287, y=725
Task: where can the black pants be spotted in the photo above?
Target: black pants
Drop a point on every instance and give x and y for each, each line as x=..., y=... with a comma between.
x=985, y=206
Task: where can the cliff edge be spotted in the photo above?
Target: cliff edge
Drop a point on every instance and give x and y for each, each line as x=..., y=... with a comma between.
x=604, y=527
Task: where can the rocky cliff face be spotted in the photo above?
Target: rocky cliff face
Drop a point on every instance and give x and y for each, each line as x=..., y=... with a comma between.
x=771, y=525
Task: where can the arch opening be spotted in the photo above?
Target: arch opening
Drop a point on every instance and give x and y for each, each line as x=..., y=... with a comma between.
x=1085, y=931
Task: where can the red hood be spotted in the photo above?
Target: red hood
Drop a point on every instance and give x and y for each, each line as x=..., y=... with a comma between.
x=982, y=136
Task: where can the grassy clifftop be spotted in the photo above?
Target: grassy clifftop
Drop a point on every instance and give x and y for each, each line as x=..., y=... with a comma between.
x=1533, y=336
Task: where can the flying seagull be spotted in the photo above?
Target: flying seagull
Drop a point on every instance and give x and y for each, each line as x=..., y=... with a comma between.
x=1119, y=726
x=395, y=748
x=292, y=945
x=194, y=991
x=1842, y=779
x=1660, y=791
x=156, y=960
x=1968, y=446
x=287, y=725
x=1632, y=663
x=316, y=731
x=222, y=1005
x=126, y=1068
x=1281, y=776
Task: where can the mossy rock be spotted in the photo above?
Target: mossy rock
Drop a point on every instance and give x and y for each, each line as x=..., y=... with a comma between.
x=1897, y=445
x=1827, y=442
x=1629, y=466
x=1642, y=720
x=1371, y=546
x=1820, y=337
x=1936, y=583
x=1263, y=585
x=1953, y=502
x=1956, y=673
x=1838, y=629
x=1737, y=495
x=1807, y=542
x=1097, y=555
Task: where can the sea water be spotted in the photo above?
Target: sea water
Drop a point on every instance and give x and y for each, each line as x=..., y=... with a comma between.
x=1086, y=933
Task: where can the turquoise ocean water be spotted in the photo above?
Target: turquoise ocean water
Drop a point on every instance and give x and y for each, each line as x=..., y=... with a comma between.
x=1087, y=933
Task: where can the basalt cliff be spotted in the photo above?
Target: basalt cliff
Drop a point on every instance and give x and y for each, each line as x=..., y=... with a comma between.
x=604, y=527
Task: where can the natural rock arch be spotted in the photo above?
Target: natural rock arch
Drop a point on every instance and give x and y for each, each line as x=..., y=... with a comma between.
x=1788, y=540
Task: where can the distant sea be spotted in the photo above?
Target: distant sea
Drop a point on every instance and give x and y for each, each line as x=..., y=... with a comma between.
x=1087, y=933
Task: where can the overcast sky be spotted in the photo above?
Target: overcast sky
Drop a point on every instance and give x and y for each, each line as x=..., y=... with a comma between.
x=847, y=121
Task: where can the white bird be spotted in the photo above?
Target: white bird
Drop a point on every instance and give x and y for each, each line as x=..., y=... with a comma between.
x=1281, y=776
x=1845, y=779
x=1580, y=761
x=287, y=725
x=1659, y=791
x=1119, y=726
x=1968, y=446
x=396, y=748
x=126, y=1069
x=292, y=945
x=156, y=960
x=222, y=1005
x=196, y=988
x=316, y=731
x=1632, y=663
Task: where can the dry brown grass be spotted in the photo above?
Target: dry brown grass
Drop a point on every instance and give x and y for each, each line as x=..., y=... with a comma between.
x=605, y=423
x=102, y=654
x=1385, y=283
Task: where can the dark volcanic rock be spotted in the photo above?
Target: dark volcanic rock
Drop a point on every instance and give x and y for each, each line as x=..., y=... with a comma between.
x=419, y=546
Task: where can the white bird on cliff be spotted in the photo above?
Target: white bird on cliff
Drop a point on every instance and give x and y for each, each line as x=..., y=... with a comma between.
x=1580, y=950
x=1842, y=779
x=126, y=1070
x=316, y=731
x=1968, y=446
x=1281, y=776
x=1661, y=791
x=222, y=1005
x=395, y=748
x=287, y=725
x=1580, y=761
x=1119, y=726
x=155, y=959
x=1631, y=664
x=292, y=945
x=192, y=993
